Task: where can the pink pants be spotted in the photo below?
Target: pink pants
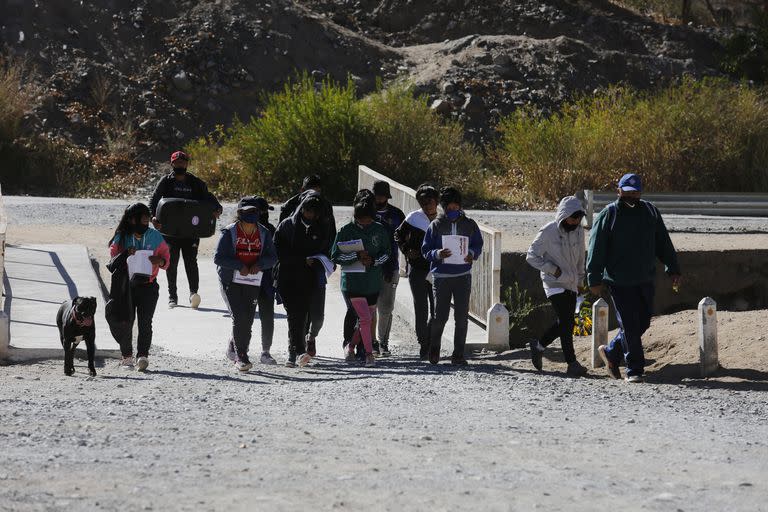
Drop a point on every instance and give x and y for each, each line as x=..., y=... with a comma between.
x=365, y=315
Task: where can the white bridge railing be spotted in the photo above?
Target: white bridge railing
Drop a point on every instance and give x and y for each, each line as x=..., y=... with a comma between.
x=484, y=302
x=5, y=329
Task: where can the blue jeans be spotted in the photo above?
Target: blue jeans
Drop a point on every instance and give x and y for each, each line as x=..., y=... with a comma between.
x=634, y=308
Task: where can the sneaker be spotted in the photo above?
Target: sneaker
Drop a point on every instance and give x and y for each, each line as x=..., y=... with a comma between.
x=575, y=369
x=434, y=357
x=243, y=364
x=172, y=303
x=311, y=345
x=536, y=355
x=349, y=356
x=423, y=351
x=194, y=300
x=611, y=368
x=127, y=362
x=266, y=358
x=304, y=359
x=385, y=349
x=376, y=348
x=142, y=363
x=290, y=364
x=231, y=354
x=370, y=361
x=635, y=379
x=459, y=361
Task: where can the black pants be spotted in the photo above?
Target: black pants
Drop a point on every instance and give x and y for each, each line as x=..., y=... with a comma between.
x=297, y=303
x=187, y=247
x=242, y=304
x=423, y=304
x=316, y=312
x=144, y=298
x=266, y=303
x=564, y=305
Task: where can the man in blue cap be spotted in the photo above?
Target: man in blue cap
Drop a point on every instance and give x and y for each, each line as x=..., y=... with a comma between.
x=627, y=237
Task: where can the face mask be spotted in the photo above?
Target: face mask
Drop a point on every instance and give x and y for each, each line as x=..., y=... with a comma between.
x=631, y=201
x=381, y=206
x=570, y=227
x=250, y=218
x=179, y=171
x=140, y=228
x=453, y=215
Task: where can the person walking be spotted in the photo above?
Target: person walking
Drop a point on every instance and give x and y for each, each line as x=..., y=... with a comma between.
x=134, y=234
x=391, y=217
x=182, y=184
x=300, y=239
x=627, y=237
x=245, y=250
x=557, y=253
x=312, y=185
x=410, y=237
x=452, y=272
x=361, y=271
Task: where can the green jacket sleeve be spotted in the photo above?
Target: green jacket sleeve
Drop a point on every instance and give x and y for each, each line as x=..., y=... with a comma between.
x=598, y=249
x=665, y=250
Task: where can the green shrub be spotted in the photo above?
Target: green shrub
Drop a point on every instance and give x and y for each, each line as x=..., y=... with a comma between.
x=329, y=131
x=696, y=136
x=16, y=94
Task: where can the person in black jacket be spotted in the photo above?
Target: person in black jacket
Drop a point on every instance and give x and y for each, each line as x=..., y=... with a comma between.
x=298, y=239
x=184, y=185
x=409, y=237
x=312, y=186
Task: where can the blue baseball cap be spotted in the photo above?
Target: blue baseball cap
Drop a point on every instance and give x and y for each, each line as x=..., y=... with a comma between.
x=631, y=183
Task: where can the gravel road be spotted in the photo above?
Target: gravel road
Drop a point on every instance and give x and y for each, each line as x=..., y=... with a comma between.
x=195, y=435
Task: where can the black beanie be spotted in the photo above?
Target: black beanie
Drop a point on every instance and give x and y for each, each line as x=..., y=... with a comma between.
x=449, y=195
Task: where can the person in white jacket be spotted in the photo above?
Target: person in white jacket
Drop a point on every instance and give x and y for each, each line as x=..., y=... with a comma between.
x=558, y=253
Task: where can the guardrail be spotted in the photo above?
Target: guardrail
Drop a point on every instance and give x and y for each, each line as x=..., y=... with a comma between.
x=486, y=272
x=727, y=204
x=5, y=333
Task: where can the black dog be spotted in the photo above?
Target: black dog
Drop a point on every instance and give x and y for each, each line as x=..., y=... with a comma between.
x=75, y=321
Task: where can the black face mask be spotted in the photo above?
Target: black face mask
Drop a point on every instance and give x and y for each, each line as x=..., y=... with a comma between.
x=140, y=228
x=569, y=227
x=631, y=201
x=179, y=171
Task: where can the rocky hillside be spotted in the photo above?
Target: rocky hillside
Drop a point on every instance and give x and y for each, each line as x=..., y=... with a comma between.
x=159, y=73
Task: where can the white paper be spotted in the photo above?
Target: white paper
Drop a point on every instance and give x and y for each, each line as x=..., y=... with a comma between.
x=138, y=263
x=459, y=247
x=250, y=279
x=355, y=268
x=327, y=264
x=351, y=246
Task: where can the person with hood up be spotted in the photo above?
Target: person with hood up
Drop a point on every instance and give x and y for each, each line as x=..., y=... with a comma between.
x=184, y=185
x=409, y=237
x=453, y=279
x=300, y=239
x=361, y=272
x=558, y=254
x=134, y=234
x=312, y=185
x=245, y=250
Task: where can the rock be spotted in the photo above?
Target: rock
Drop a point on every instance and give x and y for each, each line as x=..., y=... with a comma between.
x=181, y=81
x=473, y=105
x=448, y=87
x=441, y=107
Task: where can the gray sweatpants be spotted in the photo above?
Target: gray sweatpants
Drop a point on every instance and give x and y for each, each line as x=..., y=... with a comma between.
x=385, y=306
x=445, y=288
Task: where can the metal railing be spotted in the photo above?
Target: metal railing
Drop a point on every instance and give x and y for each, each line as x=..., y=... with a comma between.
x=486, y=271
x=726, y=204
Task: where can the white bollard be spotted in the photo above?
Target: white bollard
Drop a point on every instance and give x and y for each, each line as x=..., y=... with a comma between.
x=599, y=330
x=708, y=337
x=5, y=334
x=497, y=328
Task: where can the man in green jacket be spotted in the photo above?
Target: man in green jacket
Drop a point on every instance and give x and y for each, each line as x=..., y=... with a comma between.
x=627, y=237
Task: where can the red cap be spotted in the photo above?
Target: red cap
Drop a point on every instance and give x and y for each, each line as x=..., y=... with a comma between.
x=179, y=155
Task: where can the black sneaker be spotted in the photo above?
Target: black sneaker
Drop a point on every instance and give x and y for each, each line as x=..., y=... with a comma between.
x=458, y=361
x=376, y=348
x=537, y=355
x=575, y=369
x=423, y=351
x=172, y=303
x=385, y=349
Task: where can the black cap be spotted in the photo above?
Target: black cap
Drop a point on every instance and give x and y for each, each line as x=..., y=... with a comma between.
x=311, y=182
x=264, y=204
x=248, y=203
x=381, y=188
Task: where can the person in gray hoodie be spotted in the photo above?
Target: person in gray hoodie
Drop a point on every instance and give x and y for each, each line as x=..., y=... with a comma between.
x=558, y=253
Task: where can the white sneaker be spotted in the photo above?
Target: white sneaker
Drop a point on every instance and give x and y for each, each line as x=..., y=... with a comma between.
x=141, y=364
x=194, y=300
x=304, y=359
x=172, y=304
x=266, y=358
x=230, y=352
x=127, y=363
x=243, y=366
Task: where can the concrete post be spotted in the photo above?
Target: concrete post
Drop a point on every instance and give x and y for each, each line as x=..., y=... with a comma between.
x=599, y=330
x=497, y=328
x=5, y=334
x=708, y=337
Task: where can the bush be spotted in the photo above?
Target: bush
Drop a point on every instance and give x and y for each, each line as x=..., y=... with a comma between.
x=696, y=136
x=329, y=131
x=16, y=94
